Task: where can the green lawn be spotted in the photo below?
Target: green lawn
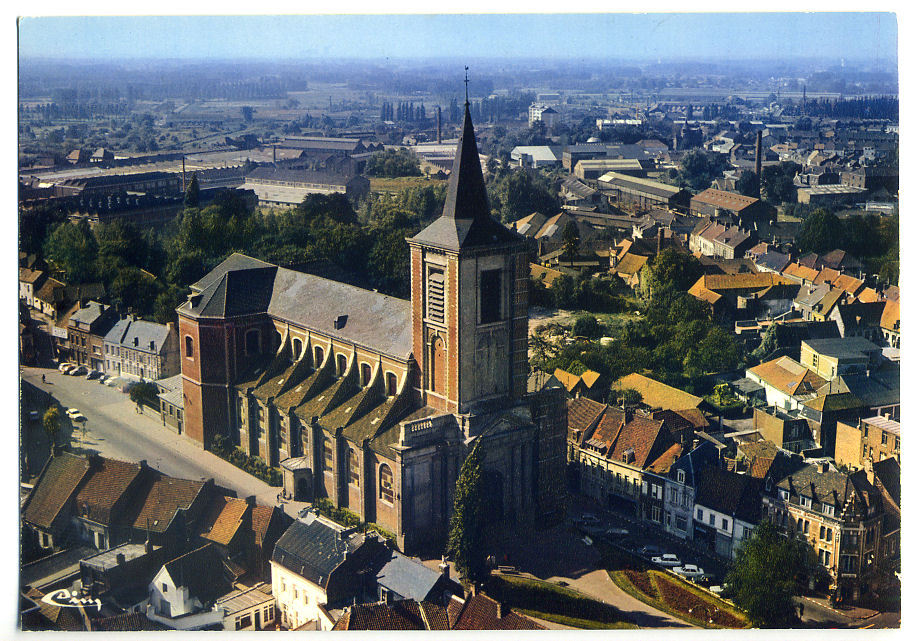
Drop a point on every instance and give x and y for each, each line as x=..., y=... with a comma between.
x=400, y=184
x=554, y=603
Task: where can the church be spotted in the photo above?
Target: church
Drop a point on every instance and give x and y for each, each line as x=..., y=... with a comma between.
x=374, y=401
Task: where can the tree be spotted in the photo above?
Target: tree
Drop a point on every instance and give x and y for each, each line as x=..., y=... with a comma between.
x=670, y=268
x=700, y=167
x=193, y=192
x=767, y=573
x=73, y=249
x=587, y=326
x=570, y=241
x=628, y=397
x=820, y=232
x=748, y=184
x=51, y=421
x=466, y=530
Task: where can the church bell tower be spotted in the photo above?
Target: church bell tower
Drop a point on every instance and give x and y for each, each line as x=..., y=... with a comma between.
x=469, y=295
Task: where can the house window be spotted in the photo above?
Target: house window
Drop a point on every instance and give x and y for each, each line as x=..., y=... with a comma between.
x=805, y=502
x=329, y=454
x=655, y=513
x=342, y=364
x=724, y=525
x=436, y=289
x=828, y=509
x=189, y=347
x=165, y=588
x=297, y=349
x=681, y=523
x=711, y=520
x=489, y=296
x=828, y=534
x=319, y=356
x=243, y=622
x=680, y=476
x=883, y=437
x=784, y=494
x=391, y=384
x=700, y=515
x=386, y=485
x=365, y=372
x=252, y=342
x=353, y=468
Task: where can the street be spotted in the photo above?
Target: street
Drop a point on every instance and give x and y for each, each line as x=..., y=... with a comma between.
x=114, y=429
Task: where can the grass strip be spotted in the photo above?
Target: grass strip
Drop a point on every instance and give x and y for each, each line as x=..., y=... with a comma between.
x=573, y=622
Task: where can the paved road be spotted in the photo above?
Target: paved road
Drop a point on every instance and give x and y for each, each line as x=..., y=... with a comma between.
x=114, y=429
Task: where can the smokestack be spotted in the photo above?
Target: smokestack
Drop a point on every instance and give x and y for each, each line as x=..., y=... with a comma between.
x=659, y=239
x=274, y=154
x=439, y=128
x=758, y=158
x=444, y=567
x=184, y=188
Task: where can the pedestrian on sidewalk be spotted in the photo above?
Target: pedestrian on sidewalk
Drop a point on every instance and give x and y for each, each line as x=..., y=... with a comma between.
x=42, y=378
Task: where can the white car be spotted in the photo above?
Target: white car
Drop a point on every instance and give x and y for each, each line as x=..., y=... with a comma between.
x=72, y=412
x=667, y=560
x=78, y=418
x=689, y=571
x=66, y=367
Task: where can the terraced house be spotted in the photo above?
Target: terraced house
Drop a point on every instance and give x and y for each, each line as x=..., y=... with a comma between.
x=374, y=401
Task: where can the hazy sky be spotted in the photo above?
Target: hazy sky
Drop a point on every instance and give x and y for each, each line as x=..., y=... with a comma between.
x=662, y=35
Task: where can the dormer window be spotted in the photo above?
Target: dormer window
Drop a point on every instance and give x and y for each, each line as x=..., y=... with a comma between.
x=828, y=509
x=784, y=494
x=806, y=502
x=680, y=476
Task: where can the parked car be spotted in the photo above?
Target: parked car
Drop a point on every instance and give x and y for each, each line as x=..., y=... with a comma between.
x=72, y=412
x=103, y=378
x=588, y=518
x=667, y=560
x=651, y=551
x=80, y=370
x=66, y=367
x=689, y=571
x=614, y=532
x=93, y=374
x=78, y=418
x=716, y=589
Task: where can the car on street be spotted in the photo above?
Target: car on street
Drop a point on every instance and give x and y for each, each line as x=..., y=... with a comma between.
x=72, y=412
x=666, y=560
x=93, y=374
x=66, y=367
x=651, y=551
x=616, y=532
x=78, y=418
x=689, y=571
x=80, y=370
x=103, y=378
x=587, y=518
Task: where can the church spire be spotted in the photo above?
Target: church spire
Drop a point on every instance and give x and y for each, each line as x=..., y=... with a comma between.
x=467, y=196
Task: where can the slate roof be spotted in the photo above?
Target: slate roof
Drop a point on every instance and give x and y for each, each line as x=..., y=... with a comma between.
x=529, y=225
x=890, y=475
x=775, y=261
x=406, y=577
x=202, y=572
x=657, y=394
x=730, y=493
x=829, y=486
x=653, y=187
x=313, y=548
x=374, y=320
x=146, y=332
x=849, y=346
x=57, y=483
x=466, y=219
x=239, y=600
x=861, y=315
x=105, y=484
x=223, y=519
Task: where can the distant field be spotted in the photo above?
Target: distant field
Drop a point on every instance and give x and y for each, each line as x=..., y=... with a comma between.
x=393, y=185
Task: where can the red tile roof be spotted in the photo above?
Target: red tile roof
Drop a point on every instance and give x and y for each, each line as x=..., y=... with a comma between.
x=481, y=612
x=724, y=199
x=165, y=497
x=223, y=519
x=582, y=413
x=105, y=484
x=57, y=483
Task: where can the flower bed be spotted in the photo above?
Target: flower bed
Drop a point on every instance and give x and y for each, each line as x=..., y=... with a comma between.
x=686, y=602
x=641, y=581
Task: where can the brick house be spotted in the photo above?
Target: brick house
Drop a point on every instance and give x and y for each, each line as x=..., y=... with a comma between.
x=141, y=349
x=86, y=330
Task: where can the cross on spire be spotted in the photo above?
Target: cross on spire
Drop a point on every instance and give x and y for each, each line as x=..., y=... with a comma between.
x=466, y=86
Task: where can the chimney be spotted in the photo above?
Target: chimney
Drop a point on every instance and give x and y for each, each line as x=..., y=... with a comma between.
x=147, y=545
x=152, y=346
x=119, y=558
x=500, y=610
x=659, y=239
x=143, y=464
x=387, y=597
x=250, y=500
x=136, y=341
x=439, y=129
x=444, y=567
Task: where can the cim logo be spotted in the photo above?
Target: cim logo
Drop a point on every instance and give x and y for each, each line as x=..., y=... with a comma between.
x=64, y=598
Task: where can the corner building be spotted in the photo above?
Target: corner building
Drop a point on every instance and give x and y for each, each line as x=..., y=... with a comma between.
x=373, y=401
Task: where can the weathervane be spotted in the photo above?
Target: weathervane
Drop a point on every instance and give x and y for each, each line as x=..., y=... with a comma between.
x=466, y=86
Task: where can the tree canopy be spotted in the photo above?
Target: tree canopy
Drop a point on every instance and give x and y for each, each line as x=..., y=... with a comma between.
x=393, y=163
x=515, y=193
x=699, y=168
x=767, y=573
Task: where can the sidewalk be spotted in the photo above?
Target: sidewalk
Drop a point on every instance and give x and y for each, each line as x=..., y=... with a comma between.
x=853, y=612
